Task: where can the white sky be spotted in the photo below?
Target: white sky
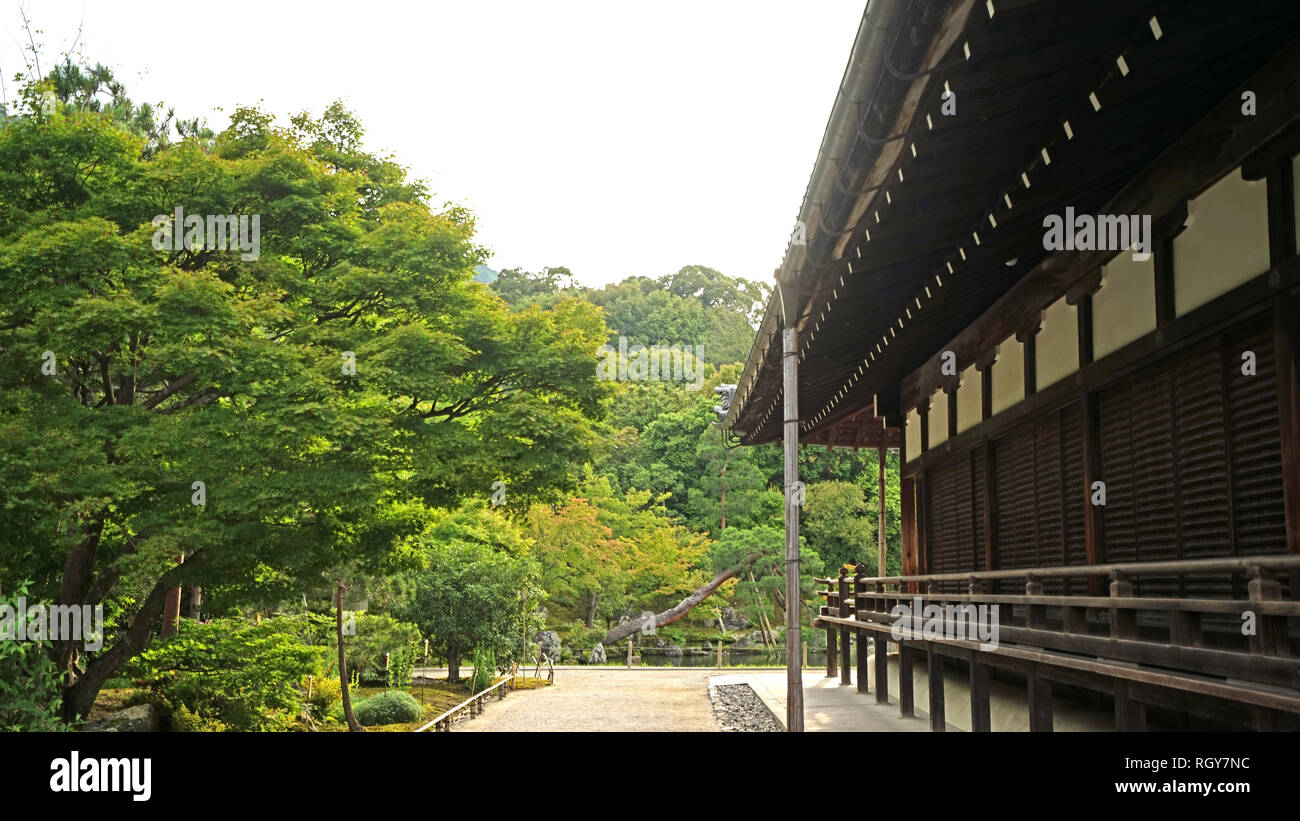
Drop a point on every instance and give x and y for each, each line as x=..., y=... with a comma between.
x=616, y=138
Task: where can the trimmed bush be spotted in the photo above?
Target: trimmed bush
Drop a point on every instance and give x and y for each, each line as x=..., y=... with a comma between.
x=390, y=707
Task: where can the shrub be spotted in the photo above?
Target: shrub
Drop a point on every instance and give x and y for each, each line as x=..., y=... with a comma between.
x=232, y=671
x=184, y=721
x=325, y=693
x=401, y=666
x=30, y=684
x=389, y=707
x=485, y=669
x=377, y=635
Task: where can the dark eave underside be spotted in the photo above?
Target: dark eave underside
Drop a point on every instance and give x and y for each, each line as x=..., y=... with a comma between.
x=1032, y=68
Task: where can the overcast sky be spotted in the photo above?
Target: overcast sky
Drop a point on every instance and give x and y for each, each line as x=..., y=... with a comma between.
x=615, y=138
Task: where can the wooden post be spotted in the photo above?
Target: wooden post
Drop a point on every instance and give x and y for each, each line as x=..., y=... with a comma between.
x=882, y=669
x=1130, y=715
x=1040, y=702
x=938, y=721
x=629, y=653
x=846, y=646
x=1123, y=620
x=882, y=544
x=906, y=701
x=719, y=654
x=790, y=389
x=1270, y=631
x=1035, y=614
x=832, y=653
x=980, y=716
x=860, y=607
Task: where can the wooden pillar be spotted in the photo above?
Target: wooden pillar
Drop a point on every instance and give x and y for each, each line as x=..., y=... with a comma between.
x=882, y=454
x=980, y=715
x=906, y=706
x=1040, y=703
x=938, y=721
x=882, y=669
x=1130, y=715
x=1286, y=347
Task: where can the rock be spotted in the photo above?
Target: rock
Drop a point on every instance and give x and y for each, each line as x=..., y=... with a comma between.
x=673, y=651
x=142, y=718
x=548, y=641
x=738, y=709
x=597, y=655
x=743, y=643
x=731, y=620
x=708, y=646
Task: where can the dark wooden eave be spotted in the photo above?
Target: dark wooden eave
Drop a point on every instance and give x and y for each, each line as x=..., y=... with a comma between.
x=1032, y=67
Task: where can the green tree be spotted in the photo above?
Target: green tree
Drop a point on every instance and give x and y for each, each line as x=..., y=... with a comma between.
x=167, y=368
x=476, y=564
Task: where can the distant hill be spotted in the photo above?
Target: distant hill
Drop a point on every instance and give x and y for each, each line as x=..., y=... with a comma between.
x=484, y=274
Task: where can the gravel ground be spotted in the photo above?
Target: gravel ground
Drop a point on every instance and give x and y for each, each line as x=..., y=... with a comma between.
x=602, y=699
x=739, y=710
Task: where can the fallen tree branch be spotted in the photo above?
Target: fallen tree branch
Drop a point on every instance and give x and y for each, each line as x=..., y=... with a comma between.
x=672, y=614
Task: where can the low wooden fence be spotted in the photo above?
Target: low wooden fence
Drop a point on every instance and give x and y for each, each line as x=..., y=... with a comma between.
x=1170, y=651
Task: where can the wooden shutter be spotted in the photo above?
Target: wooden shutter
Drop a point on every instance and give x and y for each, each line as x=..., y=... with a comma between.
x=1191, y=457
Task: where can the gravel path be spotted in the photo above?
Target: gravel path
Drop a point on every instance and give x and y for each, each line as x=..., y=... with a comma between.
x=740, y=710
x=605, y=700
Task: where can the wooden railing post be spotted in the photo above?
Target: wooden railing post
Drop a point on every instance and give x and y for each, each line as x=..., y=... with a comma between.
x=859, y=607
x=1270, y=631
x=831, y=632
x=1123, y=620
x=1035, y=614
x=846, y=646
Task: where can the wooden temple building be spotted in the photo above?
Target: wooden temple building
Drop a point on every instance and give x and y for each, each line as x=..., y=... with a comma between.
x=1099, y=427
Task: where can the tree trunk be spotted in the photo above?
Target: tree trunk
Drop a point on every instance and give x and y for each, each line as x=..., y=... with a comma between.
x=672, y=614
x=172, y=607
x=453, y=665
x=353, y=725
x=592, y=604
x=81, y=688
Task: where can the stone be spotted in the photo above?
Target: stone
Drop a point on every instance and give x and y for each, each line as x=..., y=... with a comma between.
x=731, y=620
x=142, y=718
x=548, y=642
x=673, y=651
x=597, y=655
